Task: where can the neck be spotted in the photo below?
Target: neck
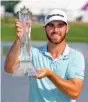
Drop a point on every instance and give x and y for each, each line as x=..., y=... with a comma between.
x=56, y=49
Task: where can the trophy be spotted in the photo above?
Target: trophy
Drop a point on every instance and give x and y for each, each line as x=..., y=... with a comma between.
x=25, y=66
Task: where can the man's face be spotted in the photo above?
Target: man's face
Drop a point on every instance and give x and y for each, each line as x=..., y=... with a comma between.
x=56, y=31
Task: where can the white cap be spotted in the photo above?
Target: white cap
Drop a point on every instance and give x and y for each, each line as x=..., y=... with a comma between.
x=56, y=14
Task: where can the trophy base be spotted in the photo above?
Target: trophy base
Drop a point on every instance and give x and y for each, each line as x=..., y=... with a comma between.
x=25, y=68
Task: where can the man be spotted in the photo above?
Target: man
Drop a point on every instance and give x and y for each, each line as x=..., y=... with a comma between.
x=61, y=68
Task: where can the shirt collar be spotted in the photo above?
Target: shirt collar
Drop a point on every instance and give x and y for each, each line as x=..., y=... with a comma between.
x=64, y=55
x=66, y=52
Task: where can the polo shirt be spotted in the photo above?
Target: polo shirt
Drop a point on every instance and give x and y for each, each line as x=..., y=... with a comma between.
x=70, y=64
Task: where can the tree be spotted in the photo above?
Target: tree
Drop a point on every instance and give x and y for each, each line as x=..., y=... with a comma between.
x=9, y=5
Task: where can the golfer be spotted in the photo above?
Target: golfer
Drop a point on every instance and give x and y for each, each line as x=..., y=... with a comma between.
x=60, y=67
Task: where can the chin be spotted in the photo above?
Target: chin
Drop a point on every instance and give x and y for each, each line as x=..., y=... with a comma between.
x=57, y=41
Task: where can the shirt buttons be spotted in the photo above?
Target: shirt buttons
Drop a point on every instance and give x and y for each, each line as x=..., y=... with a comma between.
x=53, y=64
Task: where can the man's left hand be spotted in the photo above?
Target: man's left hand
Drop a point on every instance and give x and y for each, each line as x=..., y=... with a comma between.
x=43, y=72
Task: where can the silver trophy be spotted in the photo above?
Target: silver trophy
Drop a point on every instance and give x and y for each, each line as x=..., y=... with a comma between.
x=25, y=66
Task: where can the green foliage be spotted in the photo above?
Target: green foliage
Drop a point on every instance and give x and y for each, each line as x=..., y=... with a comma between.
x=78, y=32
x=9, y=5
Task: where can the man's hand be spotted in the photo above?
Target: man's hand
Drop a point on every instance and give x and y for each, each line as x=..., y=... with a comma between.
x=22, y=27
x=43, y=72
x=19, y=29
x=71, y=87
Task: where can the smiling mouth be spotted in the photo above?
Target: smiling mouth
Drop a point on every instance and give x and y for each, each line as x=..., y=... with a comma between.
x=56, y=34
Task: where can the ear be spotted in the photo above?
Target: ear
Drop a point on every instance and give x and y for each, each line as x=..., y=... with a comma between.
x=67, y=29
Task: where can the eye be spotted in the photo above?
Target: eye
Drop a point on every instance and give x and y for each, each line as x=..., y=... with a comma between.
x=50, y=25
x=61, y=24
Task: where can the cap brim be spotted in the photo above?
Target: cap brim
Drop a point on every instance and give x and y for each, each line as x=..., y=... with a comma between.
x=55, y=18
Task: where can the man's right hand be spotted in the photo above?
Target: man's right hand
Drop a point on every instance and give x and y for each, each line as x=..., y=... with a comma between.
x=22, y=27
x=12, y=58
x=19, y=29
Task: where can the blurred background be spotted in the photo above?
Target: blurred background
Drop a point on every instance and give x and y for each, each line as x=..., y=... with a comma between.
x=15, y=89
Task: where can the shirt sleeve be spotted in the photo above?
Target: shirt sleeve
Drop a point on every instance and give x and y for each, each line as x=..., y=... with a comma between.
x=76, y=67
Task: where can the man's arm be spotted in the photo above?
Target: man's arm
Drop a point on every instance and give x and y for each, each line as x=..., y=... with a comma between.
x=71, y=87
x=74, y=74
x=13, y=57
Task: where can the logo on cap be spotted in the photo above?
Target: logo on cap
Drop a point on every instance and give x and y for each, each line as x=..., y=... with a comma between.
x=49, y=16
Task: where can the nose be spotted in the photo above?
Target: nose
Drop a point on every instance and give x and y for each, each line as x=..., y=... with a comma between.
x=55, y=29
